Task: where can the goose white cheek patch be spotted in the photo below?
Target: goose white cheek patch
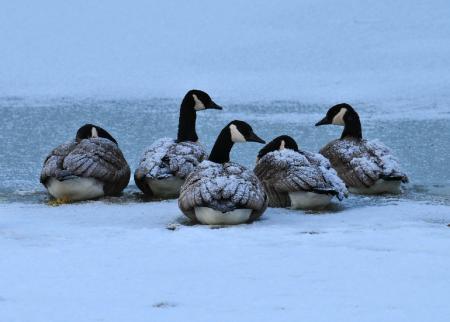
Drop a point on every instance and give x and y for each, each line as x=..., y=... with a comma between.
x=282, y=145
x=236, y=136
x=94, y=132
x=338, y=119
x=198, y=104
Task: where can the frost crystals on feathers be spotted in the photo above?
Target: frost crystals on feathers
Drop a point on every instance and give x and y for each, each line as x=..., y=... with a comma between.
x=360, y=163
x=166, y=158
x=222, y=187
x=284, y=171
x=97, y=158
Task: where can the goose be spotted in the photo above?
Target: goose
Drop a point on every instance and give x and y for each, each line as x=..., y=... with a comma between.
x=366, y=167
x=89, y=167
x=295, y=178
x=221, y=192
x=164, y=165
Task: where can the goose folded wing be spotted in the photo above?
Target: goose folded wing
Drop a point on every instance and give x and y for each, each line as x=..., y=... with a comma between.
x=289, y=171
x=153, y=163
x=221, y=187
x=330, y=180
x=53, y=164
x=182, y=158
x=352, y=162
x=166, y=158
x=389, y=165
x=97, y=158
x=326, y=178
x=270, y=170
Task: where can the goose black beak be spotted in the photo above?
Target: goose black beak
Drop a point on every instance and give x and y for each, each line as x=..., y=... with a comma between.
x=323, y=121
x=214, y=106
x=254, y=138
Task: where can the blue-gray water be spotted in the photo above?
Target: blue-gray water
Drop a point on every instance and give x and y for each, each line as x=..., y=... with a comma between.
x=30, y=128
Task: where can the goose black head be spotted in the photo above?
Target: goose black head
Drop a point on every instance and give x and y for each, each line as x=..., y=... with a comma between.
x=241, y=131
x=234, y=132
x=337, y=115
x=343, y=114
x=279, y=143
x=199, y=100
x=194, y=100
x=88, y=131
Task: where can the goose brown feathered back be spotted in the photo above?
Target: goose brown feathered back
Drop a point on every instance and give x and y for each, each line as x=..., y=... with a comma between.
x=222, y=185
x=359, y=162
x=283, y=169
x=89, y=157
x=167, y=158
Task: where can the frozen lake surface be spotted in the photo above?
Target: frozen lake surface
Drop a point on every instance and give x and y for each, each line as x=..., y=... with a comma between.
x=365, y=259
x=417, y=132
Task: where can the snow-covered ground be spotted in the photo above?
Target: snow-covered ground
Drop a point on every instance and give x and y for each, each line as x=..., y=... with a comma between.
x=109, y=262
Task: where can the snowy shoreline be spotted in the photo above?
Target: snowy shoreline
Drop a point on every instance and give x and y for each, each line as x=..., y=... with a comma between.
x=97, y=261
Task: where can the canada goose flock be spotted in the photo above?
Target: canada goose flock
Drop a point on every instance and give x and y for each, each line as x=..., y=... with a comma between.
x=212, y=189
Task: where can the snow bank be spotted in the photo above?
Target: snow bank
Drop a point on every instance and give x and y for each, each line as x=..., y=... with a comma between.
x=97, y=261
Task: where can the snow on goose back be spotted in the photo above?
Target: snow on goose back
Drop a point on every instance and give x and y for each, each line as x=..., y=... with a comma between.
x=165, y=159
x=92, y=160
x=365, y=166
x=164, y=165
x=222, y=192
x=286, y=172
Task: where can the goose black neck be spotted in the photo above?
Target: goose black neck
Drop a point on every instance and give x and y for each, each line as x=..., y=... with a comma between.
x=352, y=127
x=220, y=152
x=186, y=124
